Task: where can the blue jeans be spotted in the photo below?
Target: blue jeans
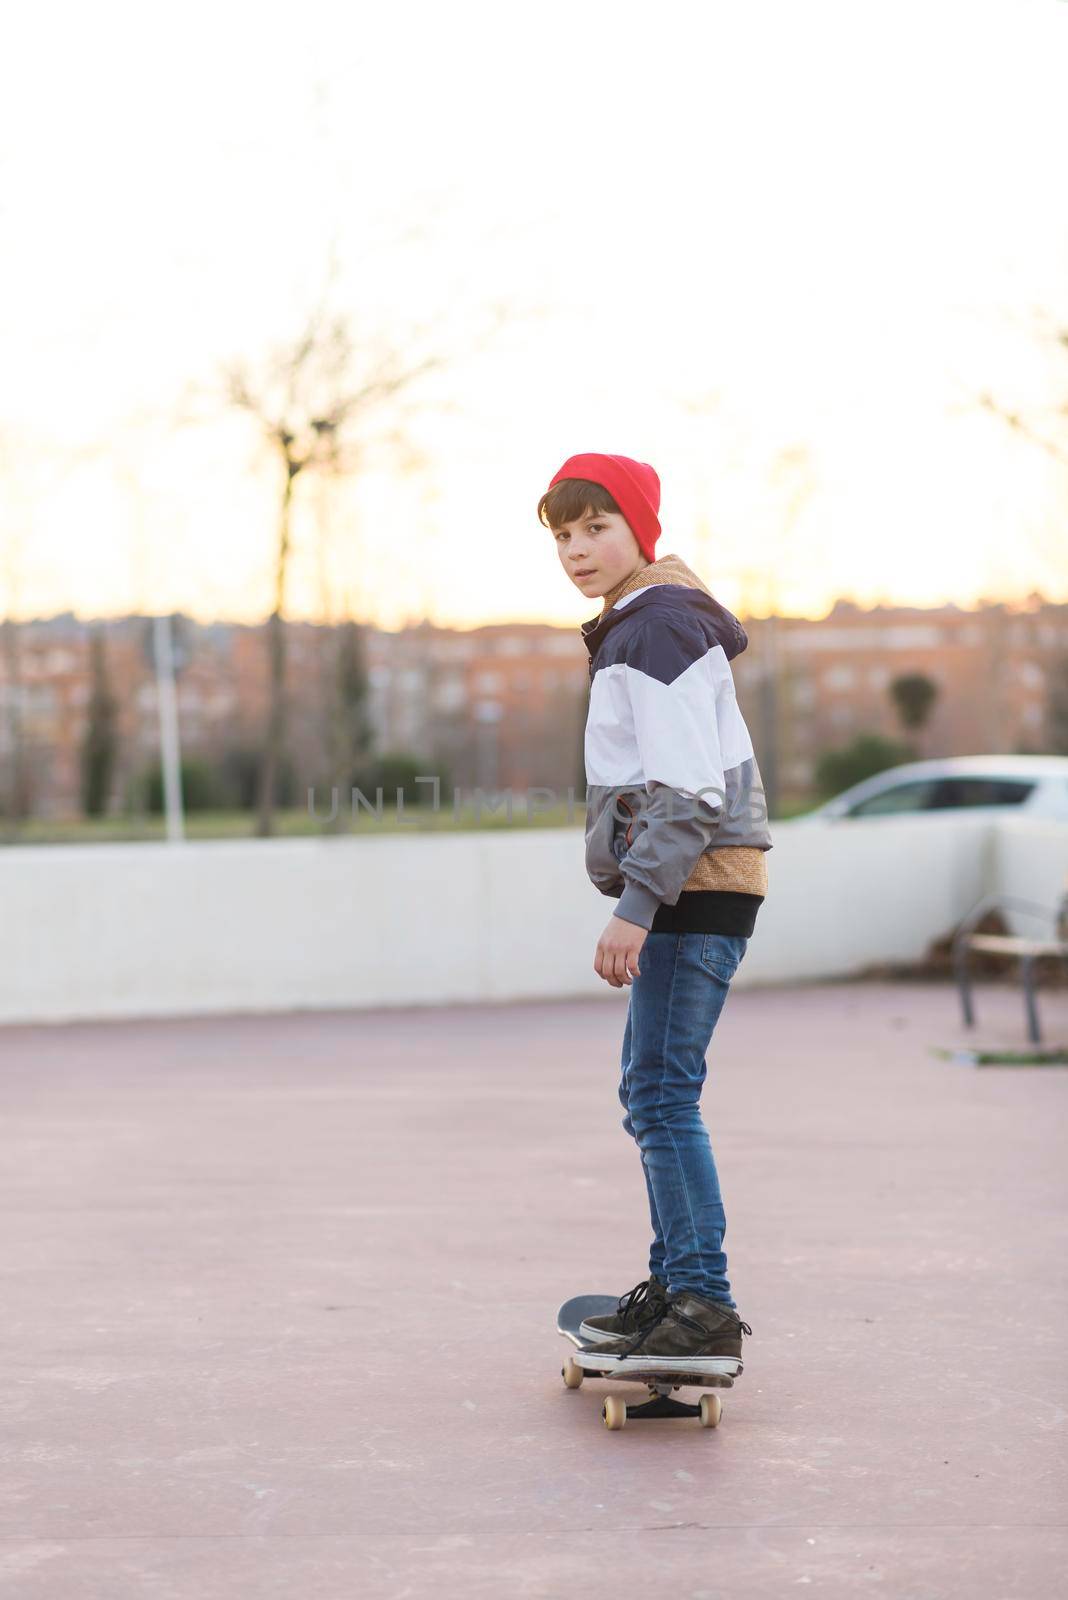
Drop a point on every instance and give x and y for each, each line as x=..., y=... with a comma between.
x=673, y=1008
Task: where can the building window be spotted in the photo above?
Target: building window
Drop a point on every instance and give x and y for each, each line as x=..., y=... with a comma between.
x=450, y=694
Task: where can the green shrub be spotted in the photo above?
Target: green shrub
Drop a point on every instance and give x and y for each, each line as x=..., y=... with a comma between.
x=201, y=789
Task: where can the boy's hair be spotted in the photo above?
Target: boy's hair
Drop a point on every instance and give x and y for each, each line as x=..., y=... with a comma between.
x=571, y=499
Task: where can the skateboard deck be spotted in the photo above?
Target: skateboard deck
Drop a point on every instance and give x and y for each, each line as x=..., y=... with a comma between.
x=615, y=1412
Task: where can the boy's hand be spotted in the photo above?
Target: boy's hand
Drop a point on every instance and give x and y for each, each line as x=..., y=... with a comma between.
x=617, y=952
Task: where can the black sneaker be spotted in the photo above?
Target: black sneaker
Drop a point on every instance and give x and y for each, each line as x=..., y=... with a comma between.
x=641, y=1304
x=692, y=1334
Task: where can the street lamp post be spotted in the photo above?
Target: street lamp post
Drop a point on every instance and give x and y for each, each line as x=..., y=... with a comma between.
x=169, y=745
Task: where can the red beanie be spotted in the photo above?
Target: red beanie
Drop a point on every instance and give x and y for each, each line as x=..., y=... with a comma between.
x=633, y=485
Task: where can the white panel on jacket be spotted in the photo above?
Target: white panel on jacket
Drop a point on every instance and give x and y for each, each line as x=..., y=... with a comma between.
x=640, y=730
x=611, y=748
x=676, y=727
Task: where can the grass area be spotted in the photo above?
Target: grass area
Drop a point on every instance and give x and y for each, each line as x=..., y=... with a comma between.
x=289, y=823
x=295, y=822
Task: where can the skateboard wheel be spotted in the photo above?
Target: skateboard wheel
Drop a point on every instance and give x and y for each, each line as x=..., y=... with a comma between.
x=614, y=1412
x=711, y=1410
x=572, y=1374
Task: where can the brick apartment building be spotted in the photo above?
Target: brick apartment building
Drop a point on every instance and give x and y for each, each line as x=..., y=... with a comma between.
x=809, y=686
x=503, y=706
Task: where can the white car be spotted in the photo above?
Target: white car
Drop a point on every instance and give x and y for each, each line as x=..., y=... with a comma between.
x=1031, y=786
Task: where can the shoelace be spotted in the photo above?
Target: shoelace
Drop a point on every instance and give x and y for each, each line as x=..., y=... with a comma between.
x=657, y=1316
x=634, y=1299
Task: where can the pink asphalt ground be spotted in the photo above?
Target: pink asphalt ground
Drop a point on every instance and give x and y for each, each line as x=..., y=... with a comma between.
x=279, y=1302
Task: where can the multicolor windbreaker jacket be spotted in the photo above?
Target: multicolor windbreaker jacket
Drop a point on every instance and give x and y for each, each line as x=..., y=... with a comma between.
x=676, y=819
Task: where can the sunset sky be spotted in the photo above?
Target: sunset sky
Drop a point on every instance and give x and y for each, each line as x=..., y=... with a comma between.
x=779, y=251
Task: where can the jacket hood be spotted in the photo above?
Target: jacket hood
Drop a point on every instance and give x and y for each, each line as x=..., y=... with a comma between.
x=667, y=584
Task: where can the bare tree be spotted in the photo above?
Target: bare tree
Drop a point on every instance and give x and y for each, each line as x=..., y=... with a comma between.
x=15, y=799
x=1043, y=434
x=1043, y=429
x=349, y=732
x=316, y=404
x=100, y=748
x=16, y=794
x=323, y=401
x=1057, y=706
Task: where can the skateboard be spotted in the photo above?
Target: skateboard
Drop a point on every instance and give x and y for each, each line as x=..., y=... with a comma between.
x=615, y=1411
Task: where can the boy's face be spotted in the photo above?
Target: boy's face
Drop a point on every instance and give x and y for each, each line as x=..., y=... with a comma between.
x=598, y=551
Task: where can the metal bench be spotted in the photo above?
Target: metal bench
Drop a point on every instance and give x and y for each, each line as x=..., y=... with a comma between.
x=1047, y=942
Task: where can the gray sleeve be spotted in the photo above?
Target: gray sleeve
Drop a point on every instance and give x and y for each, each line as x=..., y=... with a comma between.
x=677, y=830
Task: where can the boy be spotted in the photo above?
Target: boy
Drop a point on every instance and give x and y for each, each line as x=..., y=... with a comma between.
x=676, y=831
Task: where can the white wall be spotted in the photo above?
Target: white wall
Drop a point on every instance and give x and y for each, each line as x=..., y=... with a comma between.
x=131, y=930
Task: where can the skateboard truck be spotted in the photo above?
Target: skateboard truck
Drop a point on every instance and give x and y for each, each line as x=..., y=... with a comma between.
x=662, y=1405
x=616, y=1412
